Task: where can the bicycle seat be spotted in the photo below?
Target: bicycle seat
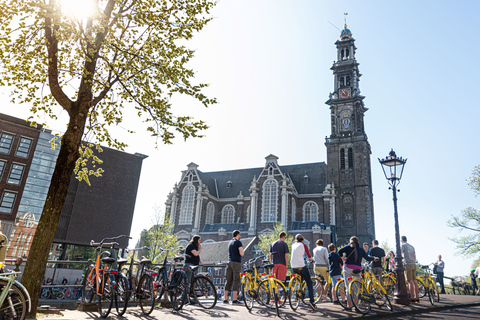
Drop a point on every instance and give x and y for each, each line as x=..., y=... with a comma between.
x=145, y=261
x=356, y=271
x=424, y=267
x=270, y=265
x=108, y=260
x=193, y=268
x=121, y=261
x=178, y=258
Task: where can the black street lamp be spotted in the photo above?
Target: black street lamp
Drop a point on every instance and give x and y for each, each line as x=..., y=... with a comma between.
x=393, y=169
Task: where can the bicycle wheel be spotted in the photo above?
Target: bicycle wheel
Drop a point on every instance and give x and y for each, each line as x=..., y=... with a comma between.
x=146, y=294
x=316, y=282
x=161, y=288
x=388, y=304
x=277, y=308
x=379, y=292
x=88, y=286
x=204, y=292
x=422, y=291
x=341, y=293
x=435, y=291
x=356, y=294
x=178, y=290
x=60, y=294
x=44, y=294
x=389, y=284
x=19, y=303
x=105, y=298
x=294, y=295
x=121, y=294
x=248, y=297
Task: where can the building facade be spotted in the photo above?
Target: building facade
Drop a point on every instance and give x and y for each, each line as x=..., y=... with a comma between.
x=103, y=209
x=332, y=200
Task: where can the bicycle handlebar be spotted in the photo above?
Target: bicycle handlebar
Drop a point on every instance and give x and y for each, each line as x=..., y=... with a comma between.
x=93, y=243
x=104, y=243
x=138, y=249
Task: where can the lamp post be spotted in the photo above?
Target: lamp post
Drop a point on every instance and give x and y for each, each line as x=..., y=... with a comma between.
x=393, y=169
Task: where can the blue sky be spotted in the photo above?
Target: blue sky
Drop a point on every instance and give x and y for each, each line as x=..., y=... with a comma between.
x=268, y=64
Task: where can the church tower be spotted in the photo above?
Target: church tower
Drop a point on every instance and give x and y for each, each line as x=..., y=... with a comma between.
x=348, y=150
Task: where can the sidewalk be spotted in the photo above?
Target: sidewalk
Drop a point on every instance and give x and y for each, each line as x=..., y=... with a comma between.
x=324, y=311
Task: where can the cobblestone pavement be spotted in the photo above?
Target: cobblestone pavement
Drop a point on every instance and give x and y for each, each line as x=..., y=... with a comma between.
x=225, y=311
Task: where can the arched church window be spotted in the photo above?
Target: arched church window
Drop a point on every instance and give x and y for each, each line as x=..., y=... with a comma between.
x=310, y=211
x=342, y=81
x=343, y=54
x=342, y=158
x=210, y=213
x=186, y=209
x=270, y=199
x=347, y=53
x=347, y=83
x=228, y=214
x=350, y=158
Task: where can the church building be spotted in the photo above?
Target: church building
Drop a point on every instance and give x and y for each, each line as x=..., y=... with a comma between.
x=332, y=200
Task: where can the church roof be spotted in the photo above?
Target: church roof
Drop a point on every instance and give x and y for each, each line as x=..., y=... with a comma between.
x=308, y=178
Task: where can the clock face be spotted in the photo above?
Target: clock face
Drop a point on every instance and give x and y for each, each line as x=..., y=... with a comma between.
x=344, y=93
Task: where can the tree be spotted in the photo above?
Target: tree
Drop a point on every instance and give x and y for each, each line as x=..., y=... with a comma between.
x=125, y=53
x=386, y=246
x=469, y=220
x=266, y=239
x=160, y=235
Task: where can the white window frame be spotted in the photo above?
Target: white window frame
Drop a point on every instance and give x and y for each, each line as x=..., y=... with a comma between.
x=308, y=206
x=228, y=214
x=210, y=213
x=187, y=206
x=270, y=201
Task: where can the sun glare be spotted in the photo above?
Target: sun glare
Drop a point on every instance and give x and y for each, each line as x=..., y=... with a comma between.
x=80, y=9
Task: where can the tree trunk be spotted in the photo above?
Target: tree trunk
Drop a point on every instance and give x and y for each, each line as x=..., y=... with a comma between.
x=57, y=193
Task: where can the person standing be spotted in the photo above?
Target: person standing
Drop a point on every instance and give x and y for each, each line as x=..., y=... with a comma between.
x=334, y=270
x=378, y=252
x=234, y=267
x=390, y=262
x=320, y=255
x=473, y=281
x=297, y=262
x=279, y=257
x=352, y=255
x=410, y=257
x=192, y=258
x=440, y=266
x=64, y=281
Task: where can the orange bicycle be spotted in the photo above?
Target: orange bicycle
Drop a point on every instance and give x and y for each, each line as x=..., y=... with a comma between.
x=93, y=283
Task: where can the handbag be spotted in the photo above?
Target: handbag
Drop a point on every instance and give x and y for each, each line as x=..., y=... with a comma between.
x=435, y=269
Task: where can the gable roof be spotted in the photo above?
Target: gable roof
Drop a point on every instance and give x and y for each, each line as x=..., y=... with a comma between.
x=241, y=179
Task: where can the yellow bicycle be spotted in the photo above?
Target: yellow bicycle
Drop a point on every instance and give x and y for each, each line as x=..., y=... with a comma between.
x=367, y=290
x=250, y=282
x=430, y=285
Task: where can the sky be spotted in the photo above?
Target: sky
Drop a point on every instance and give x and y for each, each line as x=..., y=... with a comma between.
x=268, y=64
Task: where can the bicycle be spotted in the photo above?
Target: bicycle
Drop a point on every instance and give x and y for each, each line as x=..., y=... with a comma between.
x=250, y=280
x=430, y=285
x=298, y=290
x=389, y=282
x=173, y=283
x=14, y=298
x=271, y=289
x=104, y=281
x=366, y=291
x=202, y=288
x=341, y=292
x=142, y=285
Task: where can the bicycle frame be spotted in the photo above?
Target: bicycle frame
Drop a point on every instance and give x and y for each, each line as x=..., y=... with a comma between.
x=252, y=275
x=10, y=278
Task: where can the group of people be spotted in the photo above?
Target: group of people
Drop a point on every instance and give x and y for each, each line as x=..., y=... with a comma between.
x=327, y=261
